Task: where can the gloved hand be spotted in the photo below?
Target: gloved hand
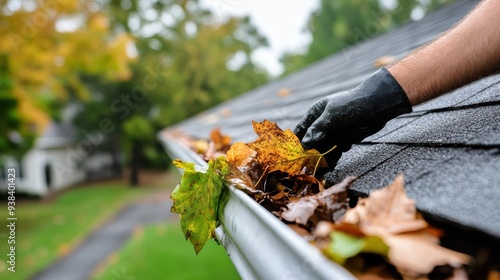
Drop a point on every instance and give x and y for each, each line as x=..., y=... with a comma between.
x=348, y=117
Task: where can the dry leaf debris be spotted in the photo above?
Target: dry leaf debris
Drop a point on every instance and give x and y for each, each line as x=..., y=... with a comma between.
x=329, y=205
x=390, y=215
x=383, y=237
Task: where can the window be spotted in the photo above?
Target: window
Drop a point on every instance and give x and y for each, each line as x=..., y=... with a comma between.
x=3, y=175
x=20, y=171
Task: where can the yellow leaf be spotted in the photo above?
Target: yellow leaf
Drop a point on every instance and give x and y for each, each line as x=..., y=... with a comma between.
x=281, y=150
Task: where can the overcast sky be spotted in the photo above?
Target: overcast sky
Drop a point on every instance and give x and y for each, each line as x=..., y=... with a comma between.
x=282, y=22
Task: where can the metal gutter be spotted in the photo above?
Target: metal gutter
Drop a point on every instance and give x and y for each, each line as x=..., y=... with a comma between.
x=259, y=245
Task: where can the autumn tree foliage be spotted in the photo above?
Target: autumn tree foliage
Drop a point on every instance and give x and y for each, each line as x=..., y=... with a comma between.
x=186, y=61
x=46, y=46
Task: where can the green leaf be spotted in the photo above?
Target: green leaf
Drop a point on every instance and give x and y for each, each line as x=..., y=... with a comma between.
x=344, y=246
x=196, y=199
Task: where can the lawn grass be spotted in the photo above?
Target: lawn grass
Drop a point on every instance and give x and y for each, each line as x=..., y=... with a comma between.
x=47, y=230
x=160, y=252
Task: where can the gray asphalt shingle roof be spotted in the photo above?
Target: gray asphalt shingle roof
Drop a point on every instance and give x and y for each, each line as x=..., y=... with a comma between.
x=448, y=148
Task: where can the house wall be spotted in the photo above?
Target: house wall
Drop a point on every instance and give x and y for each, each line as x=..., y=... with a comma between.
x=32, y=181
x=31, y=172
x=63, y=174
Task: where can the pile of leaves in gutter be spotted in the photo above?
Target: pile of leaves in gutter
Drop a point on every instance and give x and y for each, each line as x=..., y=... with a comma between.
x=382, y=237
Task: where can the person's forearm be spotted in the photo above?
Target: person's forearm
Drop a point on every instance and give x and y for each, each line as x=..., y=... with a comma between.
x=467, y=52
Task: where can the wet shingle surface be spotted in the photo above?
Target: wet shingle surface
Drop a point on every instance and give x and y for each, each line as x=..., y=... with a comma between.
x=473, y=126
x=361, y=159
x=448, y=148
x=391, y=127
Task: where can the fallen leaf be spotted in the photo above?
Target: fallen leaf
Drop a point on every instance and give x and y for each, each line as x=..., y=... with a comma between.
x=219, y=144
x=282, y=150
x=196, y=199
x=329, y=205
x=239, y=179
x=300, y=231
x=226, y=112
x=417, y=253
x=299, y=212
x=240, y=154
x=385, y=60
x=284, y=92
x=200, y=146
x=220, y=141
x=344, y=246
x=391, y=215
x=64, y=249
x=386, y=211
x=138, y=233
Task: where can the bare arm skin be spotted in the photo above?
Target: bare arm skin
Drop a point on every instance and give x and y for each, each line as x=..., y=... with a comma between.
x=467, y=52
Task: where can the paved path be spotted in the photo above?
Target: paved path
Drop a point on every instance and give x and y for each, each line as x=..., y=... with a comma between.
x=84, y=259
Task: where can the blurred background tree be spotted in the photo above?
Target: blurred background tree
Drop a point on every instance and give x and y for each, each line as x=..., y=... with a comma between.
x=42, y=60
x=16, y=136
x=186, y=62
x=342, y=23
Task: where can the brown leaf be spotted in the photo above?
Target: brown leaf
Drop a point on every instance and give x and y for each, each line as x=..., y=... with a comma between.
x=416, y=253
x=300, y=211
x=386, y=211
x=329, y=205
x=220, y=141
x=297, y=185
x=212, y=152
x=236, y=177
x=282, y=150
x=390, y=214
x=284, y=92
x=385, y=60
x=322, y=229
x=300, y=231
x=280, y=195
x=351, y=229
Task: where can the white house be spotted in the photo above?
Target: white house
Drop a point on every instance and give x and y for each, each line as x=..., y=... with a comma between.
x=56, y=161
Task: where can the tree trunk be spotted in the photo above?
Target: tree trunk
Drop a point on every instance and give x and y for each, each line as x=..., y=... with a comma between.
x=115, y=155
x=136, y=157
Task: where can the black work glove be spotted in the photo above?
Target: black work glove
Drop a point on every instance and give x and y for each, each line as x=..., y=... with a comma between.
x=346, y=118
